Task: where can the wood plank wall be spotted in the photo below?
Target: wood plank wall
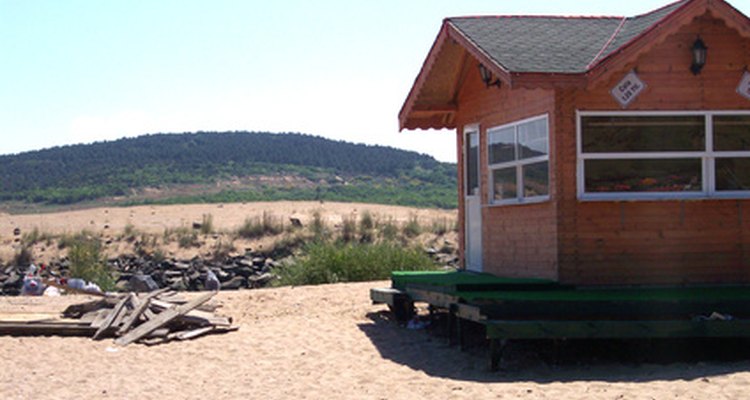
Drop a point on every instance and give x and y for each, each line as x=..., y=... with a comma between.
x=517, y=240
x=657, y=242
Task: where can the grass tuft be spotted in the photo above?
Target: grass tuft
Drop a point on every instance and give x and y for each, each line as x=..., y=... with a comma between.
x=351, y=262
x=87, y=262
x=256, y=227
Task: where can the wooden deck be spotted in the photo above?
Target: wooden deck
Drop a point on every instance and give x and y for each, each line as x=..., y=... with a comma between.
x=541, y=309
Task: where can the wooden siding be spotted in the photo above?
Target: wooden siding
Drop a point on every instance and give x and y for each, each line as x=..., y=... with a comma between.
x=656, y=242
x=518, y=240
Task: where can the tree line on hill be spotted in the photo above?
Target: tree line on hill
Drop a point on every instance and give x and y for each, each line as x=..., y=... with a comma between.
x=76, y=173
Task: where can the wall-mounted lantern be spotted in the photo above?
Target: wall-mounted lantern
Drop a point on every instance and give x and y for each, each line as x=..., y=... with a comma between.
x=699, y=56
x=487, y=77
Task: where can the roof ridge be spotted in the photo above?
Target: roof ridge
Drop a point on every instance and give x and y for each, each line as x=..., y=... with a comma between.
x=557, y=16
x=607, y=43
x=660, y=9
x=537, y=16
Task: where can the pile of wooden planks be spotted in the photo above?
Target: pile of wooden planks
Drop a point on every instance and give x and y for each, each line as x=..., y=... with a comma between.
x=149, y=318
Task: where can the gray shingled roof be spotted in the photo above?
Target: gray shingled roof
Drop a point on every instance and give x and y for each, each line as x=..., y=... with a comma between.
x=554, y=44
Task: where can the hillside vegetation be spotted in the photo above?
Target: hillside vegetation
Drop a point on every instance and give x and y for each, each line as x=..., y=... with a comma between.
x=224, y=167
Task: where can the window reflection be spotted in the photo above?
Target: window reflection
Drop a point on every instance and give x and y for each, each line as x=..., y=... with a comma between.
x=504, y=183
x=672, y=175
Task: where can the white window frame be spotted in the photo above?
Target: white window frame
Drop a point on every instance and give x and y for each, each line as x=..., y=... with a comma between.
x=518, y=165
x=708, y=157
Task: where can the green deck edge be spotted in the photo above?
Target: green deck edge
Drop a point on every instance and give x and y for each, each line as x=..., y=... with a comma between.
x=458, y=280
x=482, y=287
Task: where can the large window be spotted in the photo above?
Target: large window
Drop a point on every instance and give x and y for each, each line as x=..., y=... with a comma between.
x=663, y=155
x=519, y=161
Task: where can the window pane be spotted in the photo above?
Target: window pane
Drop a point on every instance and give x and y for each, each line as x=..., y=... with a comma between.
x=472, y=164
x=536, y=179
x=532, y=139
x=733, y=174
x=502, y=145
x=643, y=134
x=504, y=181
x=678, y=175
x=732, y=133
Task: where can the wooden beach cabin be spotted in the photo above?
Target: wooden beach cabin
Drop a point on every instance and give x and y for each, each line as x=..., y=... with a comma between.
x=604, y=170
x=598, y=150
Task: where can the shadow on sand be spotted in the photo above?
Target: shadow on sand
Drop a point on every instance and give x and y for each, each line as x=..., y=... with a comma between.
x=545, y=361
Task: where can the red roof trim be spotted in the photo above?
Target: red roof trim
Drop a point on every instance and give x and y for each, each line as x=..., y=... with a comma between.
x=656, y=25
x=496, y=68
x=422, y=76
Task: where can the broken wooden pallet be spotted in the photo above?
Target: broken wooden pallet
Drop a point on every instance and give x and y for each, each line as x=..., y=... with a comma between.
x=149, y=318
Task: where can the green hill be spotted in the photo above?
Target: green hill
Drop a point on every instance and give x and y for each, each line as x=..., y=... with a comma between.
x=223, y=167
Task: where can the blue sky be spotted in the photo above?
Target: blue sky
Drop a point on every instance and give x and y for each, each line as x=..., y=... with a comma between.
x=77, y=71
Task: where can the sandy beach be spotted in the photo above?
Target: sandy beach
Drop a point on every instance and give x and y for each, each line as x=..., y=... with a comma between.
x=325, y=342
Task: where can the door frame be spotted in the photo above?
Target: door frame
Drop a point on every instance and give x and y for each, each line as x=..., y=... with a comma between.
x=473, y=248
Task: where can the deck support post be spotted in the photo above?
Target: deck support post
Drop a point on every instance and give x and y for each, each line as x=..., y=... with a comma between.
x=460, y=334
x=496, y=352
x=451, y=326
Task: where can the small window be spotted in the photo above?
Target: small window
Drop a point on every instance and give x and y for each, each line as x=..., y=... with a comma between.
x=519, y=161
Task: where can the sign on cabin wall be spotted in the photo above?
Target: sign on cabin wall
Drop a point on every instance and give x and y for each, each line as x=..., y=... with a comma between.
x=628, y=89
x=744, y=87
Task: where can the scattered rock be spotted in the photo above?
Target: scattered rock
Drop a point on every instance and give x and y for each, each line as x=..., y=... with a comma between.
x=235, y=283
x=17, y=232
x=143, y=283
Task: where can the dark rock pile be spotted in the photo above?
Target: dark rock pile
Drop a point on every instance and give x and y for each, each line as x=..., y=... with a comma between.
x=143, y=274
x=146, y=273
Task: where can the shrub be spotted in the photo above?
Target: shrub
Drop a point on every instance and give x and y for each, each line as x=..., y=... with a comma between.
x=34, y=237
x=366, y=226
x=258, y=227
x=287, y=245
x=389, y=230
x=441, y=226
x=222, y=249
x=349, y=229
x=129, y=231
x=319, y=227
x=412, y=228
x=87, y=262
x=207, y=224
x=23, y=257
x=67, y=240
x=353, y=262
x=187, y=238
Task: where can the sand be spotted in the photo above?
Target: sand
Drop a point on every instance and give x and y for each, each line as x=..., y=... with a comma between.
x=154, y=219
x=324, y=342
x=111, y=222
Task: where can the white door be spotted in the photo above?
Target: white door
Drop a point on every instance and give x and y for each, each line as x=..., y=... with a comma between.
x=472, y=201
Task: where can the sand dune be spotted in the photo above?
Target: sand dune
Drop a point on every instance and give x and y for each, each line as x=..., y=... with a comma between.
x=155, y=219
x=110, y=222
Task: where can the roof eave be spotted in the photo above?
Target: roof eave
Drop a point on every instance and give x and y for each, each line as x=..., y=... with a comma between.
x=448, y=31
x=419, y=81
